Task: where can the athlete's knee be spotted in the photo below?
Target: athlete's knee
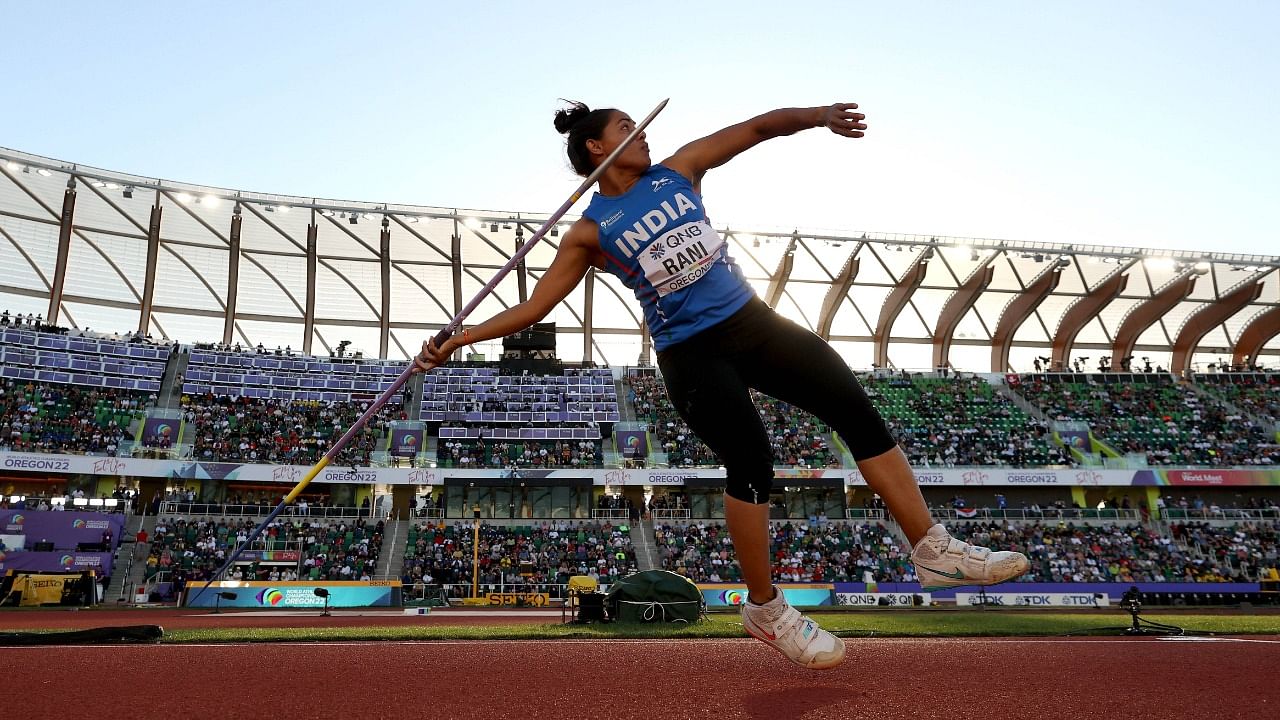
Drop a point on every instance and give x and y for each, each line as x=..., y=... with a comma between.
x=749, y=481
x=869, y=441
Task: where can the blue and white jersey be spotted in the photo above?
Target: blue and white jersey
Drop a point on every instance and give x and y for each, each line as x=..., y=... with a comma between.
x=657, y=240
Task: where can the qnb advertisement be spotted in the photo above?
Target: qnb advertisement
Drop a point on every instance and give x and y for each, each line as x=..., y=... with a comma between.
x=1053, y=477
x=259, y=595
x=797, y=594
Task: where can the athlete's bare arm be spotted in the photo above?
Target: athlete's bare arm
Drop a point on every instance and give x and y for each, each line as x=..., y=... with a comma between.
x=579, y=250
x=696, y=158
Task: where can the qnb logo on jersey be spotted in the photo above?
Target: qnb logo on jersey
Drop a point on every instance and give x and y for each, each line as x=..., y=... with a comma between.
x=681, y=257
x=661, y=183
x=653, y=223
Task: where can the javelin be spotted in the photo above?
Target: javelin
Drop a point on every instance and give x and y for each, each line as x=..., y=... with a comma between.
x=443, y=335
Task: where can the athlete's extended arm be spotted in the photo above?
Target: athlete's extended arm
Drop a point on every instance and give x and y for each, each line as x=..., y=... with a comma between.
x=696, y=158
x=566, y=271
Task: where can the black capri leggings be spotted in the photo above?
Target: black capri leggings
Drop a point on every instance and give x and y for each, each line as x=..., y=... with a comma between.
x=708, y=378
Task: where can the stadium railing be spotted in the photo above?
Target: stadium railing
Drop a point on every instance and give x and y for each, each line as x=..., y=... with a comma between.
x=312, y=511
x=670, y=514
x=1220, y=514
x=610, y=514
x=864, y=514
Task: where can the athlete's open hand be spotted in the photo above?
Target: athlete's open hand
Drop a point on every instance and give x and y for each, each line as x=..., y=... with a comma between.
x=842, y=120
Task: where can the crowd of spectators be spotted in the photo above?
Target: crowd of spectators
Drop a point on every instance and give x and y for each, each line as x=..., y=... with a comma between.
x=471, y=454
x=1256, y=394
x=958, y=421
x=802, y=552
x=796, y=436
x=281, y=431
x=1239, y=552
x=525, y=558
x=1171, y=424
x=58, y=418
x=193, y=549
x=1067, y=552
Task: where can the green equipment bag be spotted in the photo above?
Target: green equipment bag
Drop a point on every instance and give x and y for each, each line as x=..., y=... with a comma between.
x=654, y=596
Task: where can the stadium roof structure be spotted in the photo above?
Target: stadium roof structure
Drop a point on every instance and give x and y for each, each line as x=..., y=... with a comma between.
x=96, y=248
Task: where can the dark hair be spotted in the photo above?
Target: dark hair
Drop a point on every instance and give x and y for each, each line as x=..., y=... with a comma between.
x=581, y=124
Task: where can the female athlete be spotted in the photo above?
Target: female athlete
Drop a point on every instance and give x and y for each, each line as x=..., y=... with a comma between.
x=715, y=340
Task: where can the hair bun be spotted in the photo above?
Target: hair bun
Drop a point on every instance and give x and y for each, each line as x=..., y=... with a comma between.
x=570, y=116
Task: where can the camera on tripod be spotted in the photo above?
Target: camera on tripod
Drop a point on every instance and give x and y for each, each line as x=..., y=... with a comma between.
x=1131, y=600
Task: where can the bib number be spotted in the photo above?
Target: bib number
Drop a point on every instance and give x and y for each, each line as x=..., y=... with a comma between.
x=679, y=258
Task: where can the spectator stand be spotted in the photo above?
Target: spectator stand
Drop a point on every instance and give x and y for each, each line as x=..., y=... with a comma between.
x=65, y=418
x=492, y=420
x=220, y=511
x=512, y=557
x=1142, y=419
x=44, y=357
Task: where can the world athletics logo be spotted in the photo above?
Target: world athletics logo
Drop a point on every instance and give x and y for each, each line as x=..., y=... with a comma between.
x=409, y=440
x=732, y=597
x=270, y=596
x=17, y=520
x=77, y=524
x=66, y=561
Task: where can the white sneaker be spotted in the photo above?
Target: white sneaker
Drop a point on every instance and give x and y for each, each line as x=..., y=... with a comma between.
x=794, y=635
x=942, y=562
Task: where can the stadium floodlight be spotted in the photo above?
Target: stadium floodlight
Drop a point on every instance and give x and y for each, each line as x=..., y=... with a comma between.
x=211, y=201
x=183, y=198
x=472, y=223
x=493, y=227
x=42, y=172
x=14, y=165
x=1159, y=263
x=1202, y=267
x=128, y=192
x=353, y=218
x=446, y=332
x=284, y=208
x=97, y=183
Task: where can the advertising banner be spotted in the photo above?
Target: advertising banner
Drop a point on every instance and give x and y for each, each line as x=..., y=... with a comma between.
x=1076, y=439
x=407, y=442
x=281, y=595
x=159, y=432
x=65, y=530
x=269, y=556
x=1053, y=477
x=873, y=599
x=797, y=594
x=1113, y=591
x=1080, y=599
x=632, y=443
x=521, y=599
x=99, y=562
x=41, y=589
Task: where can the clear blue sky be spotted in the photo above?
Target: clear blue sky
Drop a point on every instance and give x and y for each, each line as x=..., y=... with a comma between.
x=1136, y=123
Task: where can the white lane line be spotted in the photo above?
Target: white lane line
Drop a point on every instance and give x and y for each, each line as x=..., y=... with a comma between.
x=635, y=641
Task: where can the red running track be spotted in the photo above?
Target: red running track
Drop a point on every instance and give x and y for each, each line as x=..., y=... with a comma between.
x=721, y=679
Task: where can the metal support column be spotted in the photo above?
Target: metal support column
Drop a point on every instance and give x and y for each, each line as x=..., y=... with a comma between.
x=153, y=257
x=64, y=250
x=309, y=314
x=384, y=261
x=233, y=277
